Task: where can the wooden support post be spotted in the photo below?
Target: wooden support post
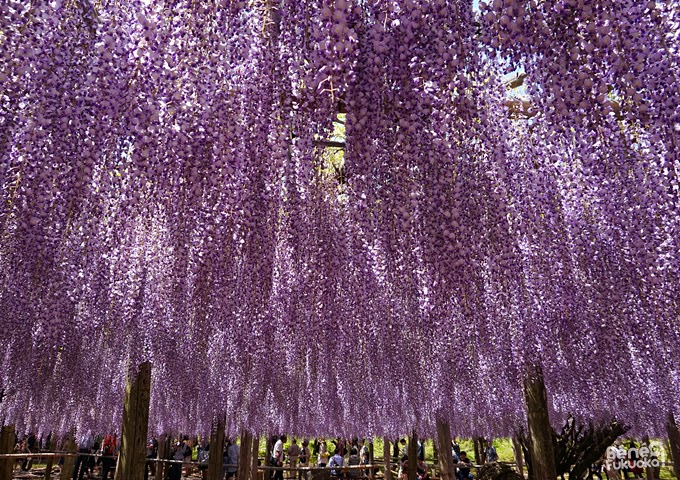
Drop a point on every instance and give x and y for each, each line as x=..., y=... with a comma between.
x=475, y=446
x=674, y=440
x=245, y=456
x=132, y=456
x=269, y=447
x=446, y=466
x=7, y=438
x=519, y=460
x=216, y=458
x=412, y=456
x=540, y=431
x=371, y=457
x=163, y=454
x=51, y=447
x=387, y=455
x=69, y=462
x=435, y=451
x=253, y=458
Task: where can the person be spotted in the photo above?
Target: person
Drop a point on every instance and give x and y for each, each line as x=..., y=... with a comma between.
x=595, y=470
x=421, y=470
x=403, y=448
x=151, y=452
x=178, y=454
x=203, y=459
x=322, y=460
x=29, y=447
x=611, y=463
x=364, y=453
x=293, y=453
x=455, y=450
x=353, y=460
x=463, y=467
x=421, y=450
x=337, y=460
x=403, y=468
x=25, y=447
x=84, y=449
x=18, y=448
x=490, y=453
x=232, y=459
x=303, y=459
x=108, y=449
x=188, y=454
x=340, y=446
x=622, y=455
x=633, y=459
x=277, y=457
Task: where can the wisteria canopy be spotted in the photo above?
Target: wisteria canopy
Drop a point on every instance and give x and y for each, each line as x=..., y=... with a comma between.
x=171, y=191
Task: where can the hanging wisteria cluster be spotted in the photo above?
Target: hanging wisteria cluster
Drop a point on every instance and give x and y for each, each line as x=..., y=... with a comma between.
x=169, y=193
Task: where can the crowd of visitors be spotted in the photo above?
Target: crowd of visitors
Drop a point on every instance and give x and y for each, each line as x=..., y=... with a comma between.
x=97, y=458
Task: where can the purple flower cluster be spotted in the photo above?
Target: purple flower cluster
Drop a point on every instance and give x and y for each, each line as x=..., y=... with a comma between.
x=165, y=196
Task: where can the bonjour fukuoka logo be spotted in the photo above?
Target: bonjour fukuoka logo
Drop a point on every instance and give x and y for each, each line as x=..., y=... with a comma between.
x=651, y=455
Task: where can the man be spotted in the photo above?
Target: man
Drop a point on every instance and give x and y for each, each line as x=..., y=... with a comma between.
x=85, y=449
x=293, y=453
x=491, y=455
x=277, y=457
x=463, y=467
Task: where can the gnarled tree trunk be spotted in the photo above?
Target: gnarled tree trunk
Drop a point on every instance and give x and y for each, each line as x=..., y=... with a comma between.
x=540, y=432
x=216, y=458
x=446, y=465
x=132, y=456
x=6, y=446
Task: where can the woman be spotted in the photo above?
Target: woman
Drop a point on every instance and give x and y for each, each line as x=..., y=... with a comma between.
x=322, y=460
x=303, y=458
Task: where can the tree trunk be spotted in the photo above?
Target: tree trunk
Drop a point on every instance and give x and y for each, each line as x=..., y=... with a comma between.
x=132, y=456
x=517, y=449
x=216, y=457
x=443, y=444
x=69, y=462
x=674, y=441
x=51, y=447
x=6, y=446
x=540, y=432
x=387, y=456
x=412, y=456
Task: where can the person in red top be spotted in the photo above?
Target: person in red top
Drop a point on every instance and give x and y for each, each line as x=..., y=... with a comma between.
x=108, y=450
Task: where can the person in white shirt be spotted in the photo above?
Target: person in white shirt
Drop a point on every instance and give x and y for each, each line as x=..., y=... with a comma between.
x=336, y=461
x=277, y=457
